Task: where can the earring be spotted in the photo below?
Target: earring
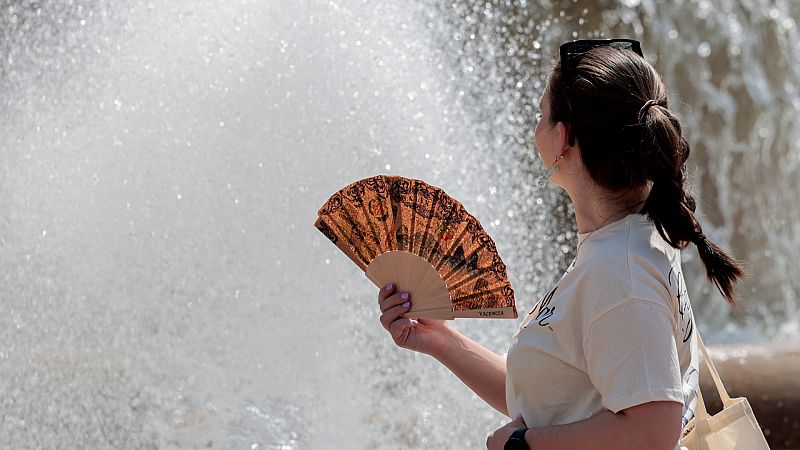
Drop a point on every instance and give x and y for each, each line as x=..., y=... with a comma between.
x=550, y=172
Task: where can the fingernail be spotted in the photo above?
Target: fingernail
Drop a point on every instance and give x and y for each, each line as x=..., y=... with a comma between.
x=406, y=304
x=404, y=295
x=389, y=287
x=414, y=322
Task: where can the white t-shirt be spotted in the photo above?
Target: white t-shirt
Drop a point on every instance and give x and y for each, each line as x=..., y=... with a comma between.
x=616, y=331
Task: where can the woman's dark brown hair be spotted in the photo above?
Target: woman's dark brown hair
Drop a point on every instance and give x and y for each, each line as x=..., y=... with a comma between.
x=617, y=109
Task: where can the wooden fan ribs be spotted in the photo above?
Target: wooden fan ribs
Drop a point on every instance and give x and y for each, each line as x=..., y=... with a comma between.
x=382, y=214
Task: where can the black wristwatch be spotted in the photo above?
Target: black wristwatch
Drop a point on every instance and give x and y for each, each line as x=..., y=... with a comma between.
x=517, y=440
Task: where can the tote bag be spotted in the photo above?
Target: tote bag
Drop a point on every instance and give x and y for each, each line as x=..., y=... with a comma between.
x=733, y=428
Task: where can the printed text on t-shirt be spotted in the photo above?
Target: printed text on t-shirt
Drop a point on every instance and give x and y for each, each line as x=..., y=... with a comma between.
x=684, y=308
x=545, y=311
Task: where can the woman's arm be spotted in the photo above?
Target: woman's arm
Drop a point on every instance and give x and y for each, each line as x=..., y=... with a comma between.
x=481, y=369
x=653, y=425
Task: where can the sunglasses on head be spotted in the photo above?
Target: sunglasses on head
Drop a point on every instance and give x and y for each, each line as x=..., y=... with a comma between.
x=571, y=52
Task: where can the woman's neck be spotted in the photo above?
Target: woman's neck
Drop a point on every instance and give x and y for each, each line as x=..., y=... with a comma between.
x=596, y=207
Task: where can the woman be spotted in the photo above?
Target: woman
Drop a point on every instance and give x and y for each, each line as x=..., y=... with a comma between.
x=608, y=358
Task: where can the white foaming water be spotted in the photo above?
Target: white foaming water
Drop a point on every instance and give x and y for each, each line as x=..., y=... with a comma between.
x=163, y=165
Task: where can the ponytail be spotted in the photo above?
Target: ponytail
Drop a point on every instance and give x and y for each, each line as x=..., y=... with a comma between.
x=723, y=270
x=670, y=206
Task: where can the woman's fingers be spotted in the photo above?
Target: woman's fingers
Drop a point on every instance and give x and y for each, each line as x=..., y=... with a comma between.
x=393, y=306
x=385, y=292
x=393, y=313
x=387, y=301
x=400, y=329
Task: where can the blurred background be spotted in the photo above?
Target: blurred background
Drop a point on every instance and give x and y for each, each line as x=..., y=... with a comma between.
x=162, y=164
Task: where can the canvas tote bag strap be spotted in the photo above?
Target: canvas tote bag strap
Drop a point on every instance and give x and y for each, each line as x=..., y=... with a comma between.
x=737, y=428
x=723, y=394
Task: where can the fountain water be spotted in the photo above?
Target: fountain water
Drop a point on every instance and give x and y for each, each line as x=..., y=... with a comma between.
x=163, y=163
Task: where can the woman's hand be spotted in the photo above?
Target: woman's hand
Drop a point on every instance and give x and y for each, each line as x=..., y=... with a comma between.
x=423, y=335
x=497, y=440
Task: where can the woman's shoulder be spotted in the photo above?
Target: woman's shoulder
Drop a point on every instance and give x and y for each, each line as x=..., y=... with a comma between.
x=634, y=241
x=630, y=262
x=613, y=250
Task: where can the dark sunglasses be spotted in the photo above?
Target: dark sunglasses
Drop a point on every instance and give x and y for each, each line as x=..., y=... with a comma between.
x=571, y=52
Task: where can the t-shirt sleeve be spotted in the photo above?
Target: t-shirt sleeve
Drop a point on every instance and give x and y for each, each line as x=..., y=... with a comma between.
x=631, y=355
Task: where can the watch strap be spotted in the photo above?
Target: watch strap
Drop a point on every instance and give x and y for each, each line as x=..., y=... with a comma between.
x=517, y=440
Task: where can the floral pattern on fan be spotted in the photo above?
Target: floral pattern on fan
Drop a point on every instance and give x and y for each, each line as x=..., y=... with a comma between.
x=384, y=213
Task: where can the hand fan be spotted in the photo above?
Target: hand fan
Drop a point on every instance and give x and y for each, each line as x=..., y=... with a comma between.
x=405, y=231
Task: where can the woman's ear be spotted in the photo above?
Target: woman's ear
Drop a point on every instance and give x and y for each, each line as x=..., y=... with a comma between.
x=562, y=130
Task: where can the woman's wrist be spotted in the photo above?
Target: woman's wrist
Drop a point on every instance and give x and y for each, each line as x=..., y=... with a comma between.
x=528, y=438
x=449, y=342
x=518, y=440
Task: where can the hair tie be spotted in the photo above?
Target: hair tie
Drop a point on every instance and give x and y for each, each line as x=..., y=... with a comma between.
x=644, y=109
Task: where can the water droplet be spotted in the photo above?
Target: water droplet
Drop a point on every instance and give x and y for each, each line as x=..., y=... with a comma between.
x=704, y=49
